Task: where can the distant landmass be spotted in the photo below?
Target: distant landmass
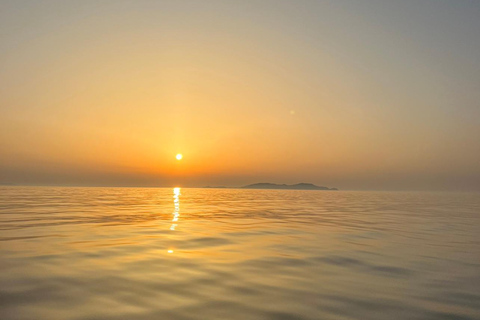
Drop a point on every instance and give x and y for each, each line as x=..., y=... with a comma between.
x=266, y=185
x=298, y=186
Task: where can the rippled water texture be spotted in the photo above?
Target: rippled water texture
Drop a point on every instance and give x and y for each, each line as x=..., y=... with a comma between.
x=125, y=253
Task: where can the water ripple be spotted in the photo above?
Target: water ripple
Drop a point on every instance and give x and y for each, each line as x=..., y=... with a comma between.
x=126, y=253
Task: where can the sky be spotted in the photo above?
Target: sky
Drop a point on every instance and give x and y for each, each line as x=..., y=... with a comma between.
x=359, y=95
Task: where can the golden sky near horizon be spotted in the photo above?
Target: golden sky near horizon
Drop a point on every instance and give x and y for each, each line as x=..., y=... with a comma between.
x=380, y=95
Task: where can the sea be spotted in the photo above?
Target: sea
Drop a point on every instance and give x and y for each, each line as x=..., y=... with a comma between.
x=184, y=253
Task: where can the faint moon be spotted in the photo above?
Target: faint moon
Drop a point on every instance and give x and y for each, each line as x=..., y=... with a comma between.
x=179, y=156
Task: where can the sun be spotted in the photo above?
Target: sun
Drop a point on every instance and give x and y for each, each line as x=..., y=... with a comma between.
x=179, y=156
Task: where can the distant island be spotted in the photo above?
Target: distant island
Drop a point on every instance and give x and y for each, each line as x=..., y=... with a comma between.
x=266, y=185
x=298, y=186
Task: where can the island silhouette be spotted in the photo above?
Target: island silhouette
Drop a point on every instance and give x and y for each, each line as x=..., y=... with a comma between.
x=267, y=185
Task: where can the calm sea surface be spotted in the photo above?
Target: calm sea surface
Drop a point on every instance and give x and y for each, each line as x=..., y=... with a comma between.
x=134, y=253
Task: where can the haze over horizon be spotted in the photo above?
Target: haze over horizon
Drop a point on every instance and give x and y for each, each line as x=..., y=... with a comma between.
x=363, y=95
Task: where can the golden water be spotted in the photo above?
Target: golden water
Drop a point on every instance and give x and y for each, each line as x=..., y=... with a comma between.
x=145, y=253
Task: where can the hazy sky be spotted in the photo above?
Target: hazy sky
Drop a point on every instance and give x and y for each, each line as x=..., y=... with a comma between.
x=349, y=94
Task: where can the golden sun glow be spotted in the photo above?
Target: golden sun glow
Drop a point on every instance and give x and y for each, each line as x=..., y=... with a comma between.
x=179, y=156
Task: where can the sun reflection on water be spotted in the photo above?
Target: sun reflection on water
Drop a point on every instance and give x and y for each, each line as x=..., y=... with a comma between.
x=176, y=210
x=176, y=203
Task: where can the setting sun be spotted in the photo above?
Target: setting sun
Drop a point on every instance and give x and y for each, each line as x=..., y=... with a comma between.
x=179, y=156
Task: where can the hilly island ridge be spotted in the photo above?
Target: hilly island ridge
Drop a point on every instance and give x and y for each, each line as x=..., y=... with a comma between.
x=266, y=185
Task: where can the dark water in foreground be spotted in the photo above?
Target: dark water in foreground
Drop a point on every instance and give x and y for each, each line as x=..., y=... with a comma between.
x=114, y=253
